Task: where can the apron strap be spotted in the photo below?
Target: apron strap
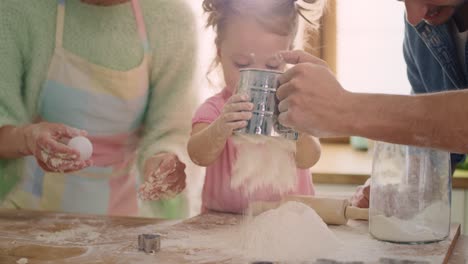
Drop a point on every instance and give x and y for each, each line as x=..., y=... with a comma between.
x=143, y=35
x=60, y=24
x=140, y=21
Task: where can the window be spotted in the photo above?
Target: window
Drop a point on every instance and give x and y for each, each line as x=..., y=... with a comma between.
x=206, y=53
x=370, y=46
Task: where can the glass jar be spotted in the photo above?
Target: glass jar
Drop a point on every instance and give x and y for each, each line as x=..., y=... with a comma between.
x=410, y=194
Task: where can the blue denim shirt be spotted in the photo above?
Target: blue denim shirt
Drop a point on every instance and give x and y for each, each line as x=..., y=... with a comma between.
x=432, y=62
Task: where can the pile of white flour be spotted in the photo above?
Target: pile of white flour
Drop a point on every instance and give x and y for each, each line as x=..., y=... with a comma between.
x=292, y=232
x=264, y=162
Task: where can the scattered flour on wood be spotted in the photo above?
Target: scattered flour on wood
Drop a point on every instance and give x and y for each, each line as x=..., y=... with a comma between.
x=264, y=162
x=22, y=261
x=85, y=233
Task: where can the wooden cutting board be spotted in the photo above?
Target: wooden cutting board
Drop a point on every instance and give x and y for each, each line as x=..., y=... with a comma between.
x=43, y=237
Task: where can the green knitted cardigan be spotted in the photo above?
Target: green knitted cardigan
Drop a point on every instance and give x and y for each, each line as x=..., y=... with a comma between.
x=105, y=36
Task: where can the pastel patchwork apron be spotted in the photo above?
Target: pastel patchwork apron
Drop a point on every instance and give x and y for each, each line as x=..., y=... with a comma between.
x=110, y=105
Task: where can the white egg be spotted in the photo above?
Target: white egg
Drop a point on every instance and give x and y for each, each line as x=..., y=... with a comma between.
x=83, y=145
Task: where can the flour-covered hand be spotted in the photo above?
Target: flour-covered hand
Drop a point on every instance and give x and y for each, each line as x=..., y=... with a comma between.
x=164, y=177
x=47, y=143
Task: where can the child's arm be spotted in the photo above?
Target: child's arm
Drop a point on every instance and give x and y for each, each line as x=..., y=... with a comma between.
x=208, y=140
x=206, y=143
x=308, y=151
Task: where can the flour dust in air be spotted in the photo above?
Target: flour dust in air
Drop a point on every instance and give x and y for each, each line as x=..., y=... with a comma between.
x=264, y=162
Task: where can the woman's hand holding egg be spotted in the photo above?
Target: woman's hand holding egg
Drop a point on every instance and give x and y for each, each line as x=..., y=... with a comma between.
x=47, y=143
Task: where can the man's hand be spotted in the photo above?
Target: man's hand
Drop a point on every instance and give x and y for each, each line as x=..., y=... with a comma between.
x=164, y=177
x=311, y=99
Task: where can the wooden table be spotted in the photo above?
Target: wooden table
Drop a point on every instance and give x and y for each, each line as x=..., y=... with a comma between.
x=44, y=237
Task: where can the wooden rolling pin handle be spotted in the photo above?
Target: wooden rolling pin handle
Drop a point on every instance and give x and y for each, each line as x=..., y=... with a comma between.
x=331, y=210
x=356, y=213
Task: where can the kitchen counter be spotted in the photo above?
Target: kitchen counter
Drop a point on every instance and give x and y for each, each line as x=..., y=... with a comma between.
x=341, y=164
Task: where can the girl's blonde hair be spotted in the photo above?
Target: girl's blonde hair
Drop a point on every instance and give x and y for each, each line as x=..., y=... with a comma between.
x=277, y=16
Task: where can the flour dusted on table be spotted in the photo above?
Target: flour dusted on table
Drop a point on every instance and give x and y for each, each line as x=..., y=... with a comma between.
x=22, y=261
x=84, y=232
x=292, y=232
x=264, y=161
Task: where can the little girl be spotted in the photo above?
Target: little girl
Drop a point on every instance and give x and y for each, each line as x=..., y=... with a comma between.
x=249, y=34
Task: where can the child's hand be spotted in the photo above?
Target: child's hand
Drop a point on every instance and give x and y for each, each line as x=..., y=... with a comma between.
x=164, y=177
x=235, y=114
x=362, y=195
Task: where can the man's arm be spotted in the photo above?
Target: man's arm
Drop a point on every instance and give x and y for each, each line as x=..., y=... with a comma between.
x=431, y=120
x=313, y=101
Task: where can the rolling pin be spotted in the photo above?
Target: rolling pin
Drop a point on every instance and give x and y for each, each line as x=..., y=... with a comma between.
x=333, y=211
